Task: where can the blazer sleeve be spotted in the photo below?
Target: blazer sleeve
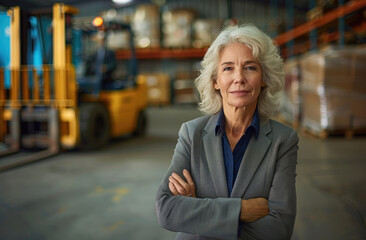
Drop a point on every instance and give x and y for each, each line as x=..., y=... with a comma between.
x=279, y=223
x=218, y=218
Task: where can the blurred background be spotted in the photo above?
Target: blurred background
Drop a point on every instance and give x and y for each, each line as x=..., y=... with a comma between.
x=93, y=93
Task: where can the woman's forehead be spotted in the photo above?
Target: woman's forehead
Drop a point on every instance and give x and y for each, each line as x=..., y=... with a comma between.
x=236, y=51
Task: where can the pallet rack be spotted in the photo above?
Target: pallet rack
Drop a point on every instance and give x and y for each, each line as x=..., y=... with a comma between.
x=317, y=23
x=160, y=53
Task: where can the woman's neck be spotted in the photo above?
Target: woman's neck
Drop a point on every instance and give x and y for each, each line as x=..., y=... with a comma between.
x=237, y=120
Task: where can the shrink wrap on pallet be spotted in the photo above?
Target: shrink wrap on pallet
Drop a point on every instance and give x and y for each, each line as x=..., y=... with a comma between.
x=205, y=31
x=290, y=96
x=333, y=89
x=177, y=28
x=146, y=26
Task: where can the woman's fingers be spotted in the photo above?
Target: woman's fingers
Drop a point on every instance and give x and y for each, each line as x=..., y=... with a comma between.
x=189, y=179
x=173, y=190
x=180, y=186
x=181, y=190
x=180, y=180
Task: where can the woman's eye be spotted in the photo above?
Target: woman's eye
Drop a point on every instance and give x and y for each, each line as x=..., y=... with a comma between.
x=252, y=68
x=227, y=68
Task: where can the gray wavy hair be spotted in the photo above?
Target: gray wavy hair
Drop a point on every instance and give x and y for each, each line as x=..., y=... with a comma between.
x=263, y=50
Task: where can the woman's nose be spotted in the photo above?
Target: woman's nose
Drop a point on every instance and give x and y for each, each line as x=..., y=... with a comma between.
x=239, y=76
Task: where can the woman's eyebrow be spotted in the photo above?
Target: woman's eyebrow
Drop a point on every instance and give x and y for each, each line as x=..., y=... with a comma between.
x=226, y=63
x=246, y=62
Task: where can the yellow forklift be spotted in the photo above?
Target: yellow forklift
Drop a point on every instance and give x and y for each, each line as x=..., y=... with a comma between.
x=45, y=107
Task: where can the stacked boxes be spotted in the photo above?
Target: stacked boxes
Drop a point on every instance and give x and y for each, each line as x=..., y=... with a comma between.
x=146, y=26
x=184, y=88
x=332, y=92
x=205, y=31
x=158, y=88
x=177, y=25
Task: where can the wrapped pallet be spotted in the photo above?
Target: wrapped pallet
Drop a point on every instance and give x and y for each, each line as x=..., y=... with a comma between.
x=332, y=91
x=146, y=26
x=205, y=31
x=177, y=28
x=290, y=96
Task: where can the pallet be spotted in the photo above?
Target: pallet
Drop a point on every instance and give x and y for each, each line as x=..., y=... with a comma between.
x=324, y=134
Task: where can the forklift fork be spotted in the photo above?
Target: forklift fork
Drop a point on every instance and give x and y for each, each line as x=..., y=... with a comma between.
x=15, y=139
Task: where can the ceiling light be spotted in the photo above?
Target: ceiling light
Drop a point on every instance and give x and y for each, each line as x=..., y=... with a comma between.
x=122, y=1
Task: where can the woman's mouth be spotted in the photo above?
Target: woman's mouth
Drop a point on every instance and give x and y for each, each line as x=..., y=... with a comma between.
x=240, y=92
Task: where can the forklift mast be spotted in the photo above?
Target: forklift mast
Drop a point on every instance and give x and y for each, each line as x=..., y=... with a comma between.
x=39, y=108
x=65, y=80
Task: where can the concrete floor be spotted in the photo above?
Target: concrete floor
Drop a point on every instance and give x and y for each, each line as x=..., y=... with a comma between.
x=109, y=194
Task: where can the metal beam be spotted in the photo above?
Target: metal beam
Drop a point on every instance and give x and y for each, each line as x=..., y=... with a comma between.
x=321, y=21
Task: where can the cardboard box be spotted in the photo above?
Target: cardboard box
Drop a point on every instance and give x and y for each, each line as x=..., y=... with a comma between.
x=328, y=69
x=158, y=85
x=326, y=111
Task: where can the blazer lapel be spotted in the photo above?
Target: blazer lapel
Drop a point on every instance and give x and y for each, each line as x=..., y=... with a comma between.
x=213, y=150
x=252, y=158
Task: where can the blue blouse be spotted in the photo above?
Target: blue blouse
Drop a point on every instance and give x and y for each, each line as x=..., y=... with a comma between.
x=233, y=158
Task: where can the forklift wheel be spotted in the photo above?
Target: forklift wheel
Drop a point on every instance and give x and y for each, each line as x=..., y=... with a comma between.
x=94, y=126
x=141, y=124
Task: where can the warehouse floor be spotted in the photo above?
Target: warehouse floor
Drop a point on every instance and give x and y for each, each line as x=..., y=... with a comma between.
x=109, y=194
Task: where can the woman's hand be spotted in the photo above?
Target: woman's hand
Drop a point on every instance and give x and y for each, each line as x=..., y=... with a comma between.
x=253, y=209
x=178, y=186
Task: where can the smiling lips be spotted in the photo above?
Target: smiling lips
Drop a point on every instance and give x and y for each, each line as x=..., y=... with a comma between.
x=240, y=92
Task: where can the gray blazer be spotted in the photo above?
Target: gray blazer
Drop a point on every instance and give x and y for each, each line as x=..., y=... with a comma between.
x=268, y=170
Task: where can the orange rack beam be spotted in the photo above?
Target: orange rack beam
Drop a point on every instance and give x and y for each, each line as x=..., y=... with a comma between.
x=321, y=21
x=161, y=53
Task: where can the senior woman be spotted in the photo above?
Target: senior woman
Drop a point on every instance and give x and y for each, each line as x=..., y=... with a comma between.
x=233, y=171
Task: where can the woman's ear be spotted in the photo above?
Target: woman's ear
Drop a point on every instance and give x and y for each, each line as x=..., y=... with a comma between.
x=216, y=86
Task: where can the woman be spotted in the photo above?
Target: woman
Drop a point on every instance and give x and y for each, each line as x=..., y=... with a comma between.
x=233, y=171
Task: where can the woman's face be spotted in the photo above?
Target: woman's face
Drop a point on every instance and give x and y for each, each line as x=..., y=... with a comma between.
x=239, y=76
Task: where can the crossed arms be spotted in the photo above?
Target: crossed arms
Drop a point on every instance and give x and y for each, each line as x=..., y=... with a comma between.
x=180, y=210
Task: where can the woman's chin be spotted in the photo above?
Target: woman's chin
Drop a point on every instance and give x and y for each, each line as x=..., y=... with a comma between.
x=241, y=105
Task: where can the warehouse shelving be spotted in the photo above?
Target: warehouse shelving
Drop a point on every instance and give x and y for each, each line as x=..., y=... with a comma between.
x=161, y=53
x=282, y=39
x=321, y=22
